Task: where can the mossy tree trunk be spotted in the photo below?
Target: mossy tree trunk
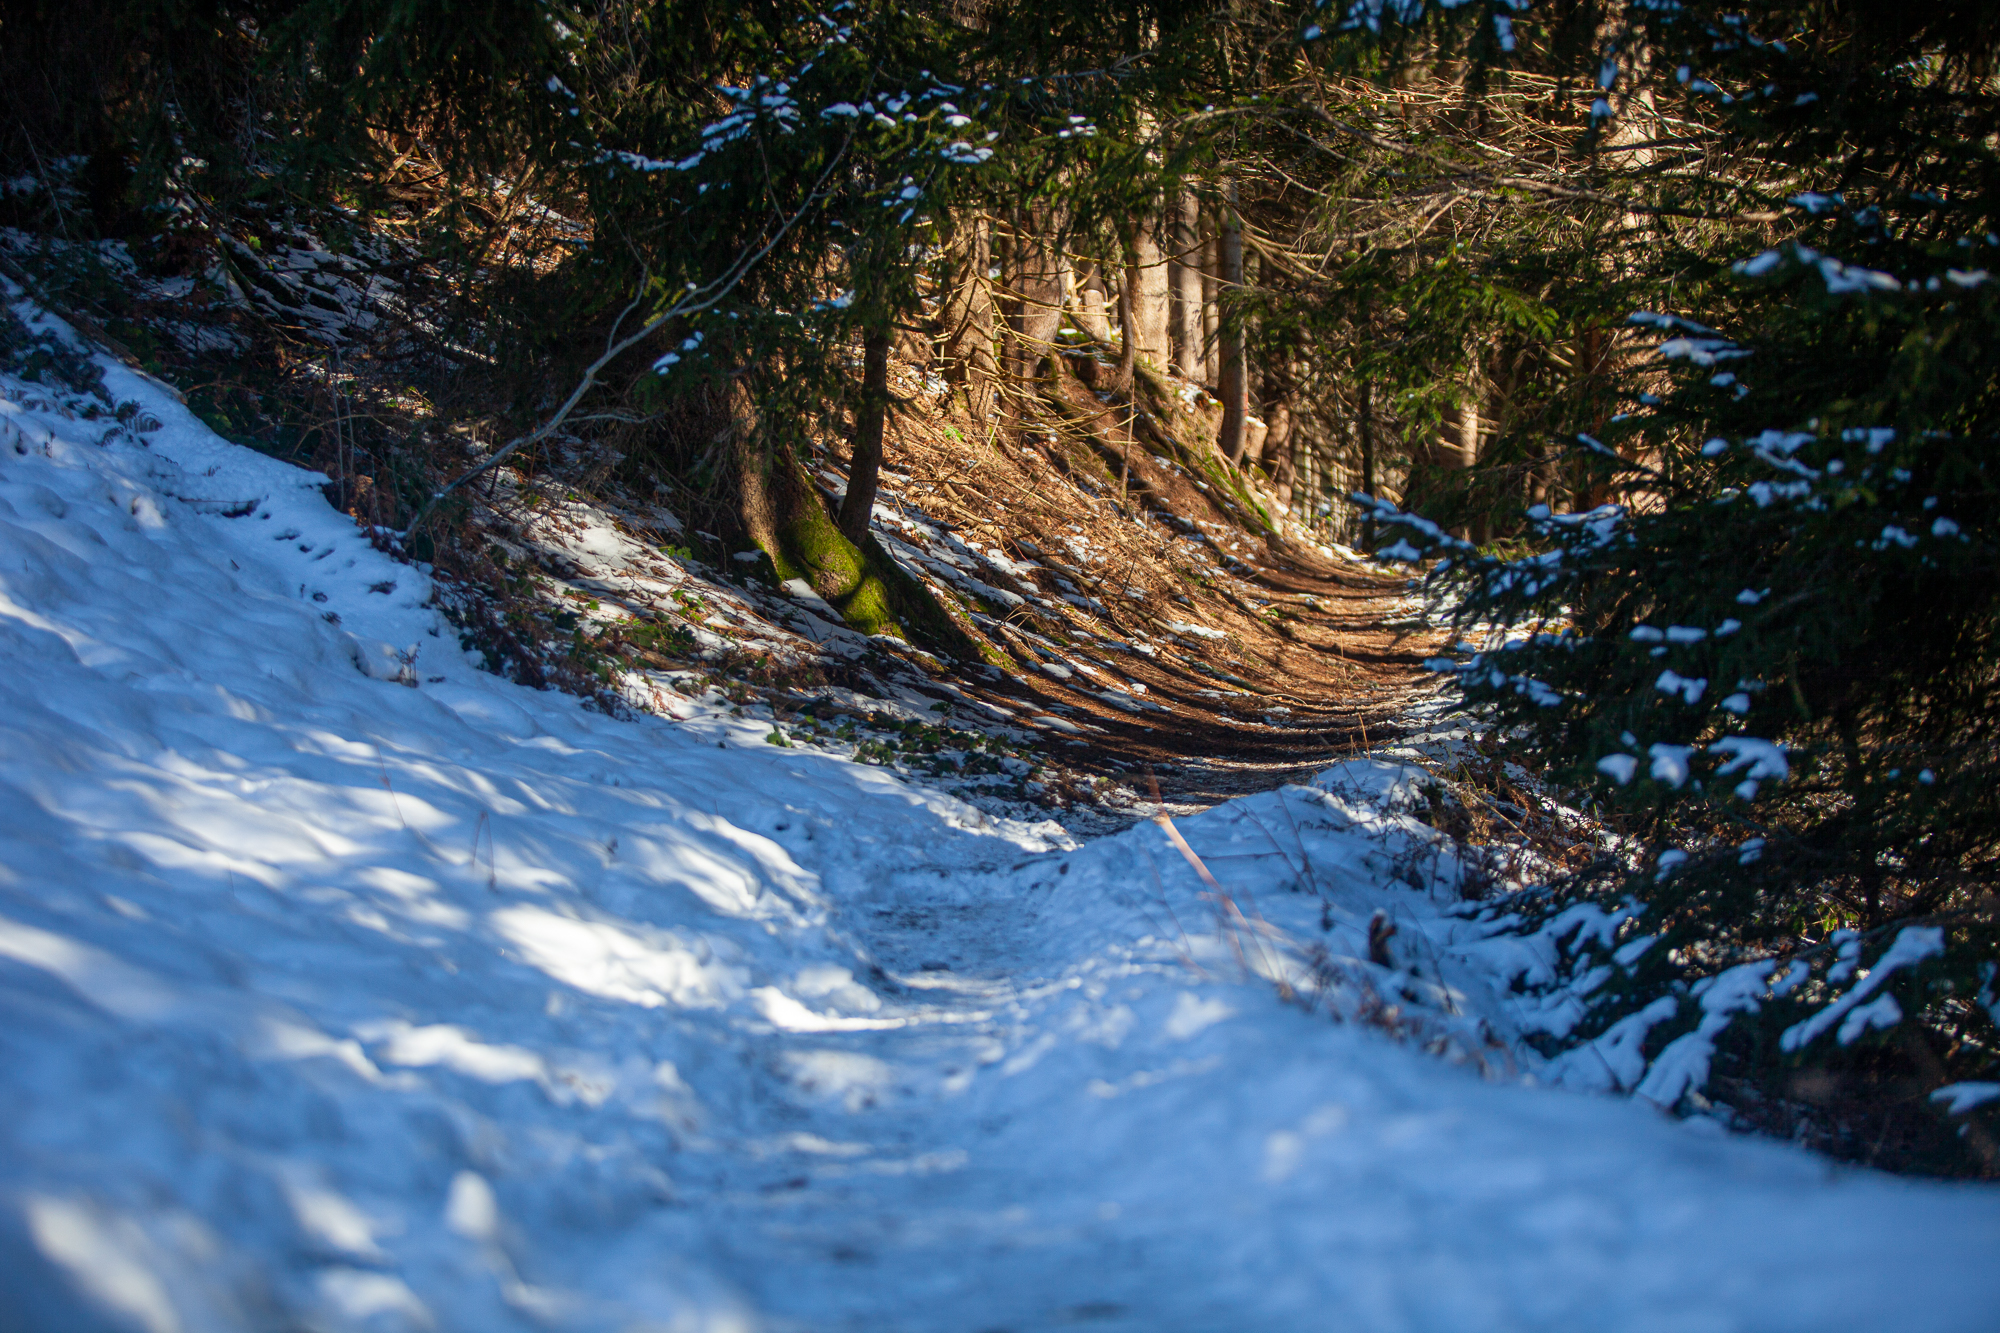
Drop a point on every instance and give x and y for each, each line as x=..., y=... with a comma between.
x=789, y=522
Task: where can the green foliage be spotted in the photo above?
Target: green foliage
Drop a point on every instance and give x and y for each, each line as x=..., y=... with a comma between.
x=1776, y=650
x=668, y=640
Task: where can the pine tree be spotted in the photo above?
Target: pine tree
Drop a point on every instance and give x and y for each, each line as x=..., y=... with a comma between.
x=1774, y=644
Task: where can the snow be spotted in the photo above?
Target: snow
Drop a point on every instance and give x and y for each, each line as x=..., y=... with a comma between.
x=1962, y=1097
x=345, y=998
x=1620, y=768
x=1683, y=1064
x=1670, y=762
x=1912, y=946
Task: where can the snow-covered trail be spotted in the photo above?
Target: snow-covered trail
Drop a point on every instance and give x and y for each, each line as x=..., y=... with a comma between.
x=332, y=1003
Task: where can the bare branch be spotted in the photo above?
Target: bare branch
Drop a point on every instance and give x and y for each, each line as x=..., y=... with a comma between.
x=693, y=301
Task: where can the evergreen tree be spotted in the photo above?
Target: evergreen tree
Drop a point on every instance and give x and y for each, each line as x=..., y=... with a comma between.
x=1774, y=644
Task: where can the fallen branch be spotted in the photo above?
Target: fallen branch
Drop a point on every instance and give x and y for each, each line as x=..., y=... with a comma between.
x=692, y=301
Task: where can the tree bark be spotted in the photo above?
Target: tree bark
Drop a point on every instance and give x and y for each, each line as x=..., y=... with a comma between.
x=871, y=420
x=1089, y=305
x=1151, y=296
x=1277, y=451
x=1184, y=282
x=1468, y=433
x=1277, y=425
x=1283, y=466
x=785, y=516
x=1128, y=323
x=756, y=505
x=1367, y=423
x=1366, y=405
x=1211, y=320
x=1036, y=280
x=1461, y=452
x=965, y=345
x=1233, y=383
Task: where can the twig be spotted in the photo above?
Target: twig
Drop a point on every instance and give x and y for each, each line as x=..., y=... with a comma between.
x=383, y=766
x=492, y=867
x=1187, y=954
x=1227, y=906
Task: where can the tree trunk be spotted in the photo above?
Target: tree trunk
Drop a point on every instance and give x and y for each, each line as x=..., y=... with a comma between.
x=1367, y=405
x=1089, y=306
x=1275, y=454
x=784, y=515
x=1367, y=432
x=1468, y=433
x=1233, y=383
x=1459, y=452
x=1284, y=476
x=1151, y=297
x=1184, y=281
x=1255, y=428
x=1128, y=323
x=965, y=345
x=1211, y=321
x=758, y=504
x=1277, y=432
x=871, y=419
x=1036, y=279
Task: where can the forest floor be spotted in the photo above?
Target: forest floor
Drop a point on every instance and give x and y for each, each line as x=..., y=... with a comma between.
x=1153, y=630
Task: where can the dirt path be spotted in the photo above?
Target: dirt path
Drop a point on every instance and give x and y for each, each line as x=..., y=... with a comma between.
x=1342, y=659
x=1153, y=571
x=1143, y=622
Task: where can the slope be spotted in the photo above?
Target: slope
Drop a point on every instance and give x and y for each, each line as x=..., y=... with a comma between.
x=348, y=986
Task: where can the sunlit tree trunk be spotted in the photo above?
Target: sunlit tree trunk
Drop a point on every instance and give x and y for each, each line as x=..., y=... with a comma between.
x=1211, y=313
x=1275, y=456
x=965, y=343
x=1184, y=283
x=1090, y=304
x=1233, y=381
x=1128, y=321
x=1151, y=295
x=1035, y=282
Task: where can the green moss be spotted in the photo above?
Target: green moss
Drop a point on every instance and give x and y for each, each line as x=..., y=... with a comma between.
x=1231, y=482
x=811, y=548
x=870, y=590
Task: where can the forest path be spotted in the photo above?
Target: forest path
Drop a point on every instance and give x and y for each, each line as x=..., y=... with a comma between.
x=1340, y=662
x=1166, y=621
